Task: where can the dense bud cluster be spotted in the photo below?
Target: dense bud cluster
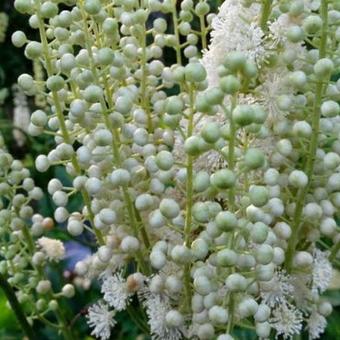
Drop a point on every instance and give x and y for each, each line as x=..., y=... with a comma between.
x=24, y=251
x=217, y=177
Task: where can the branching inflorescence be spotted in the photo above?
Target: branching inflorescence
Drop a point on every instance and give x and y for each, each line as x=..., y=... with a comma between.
x=211, y=185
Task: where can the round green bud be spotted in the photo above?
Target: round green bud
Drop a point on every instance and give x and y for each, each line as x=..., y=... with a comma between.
x=92, y=7
x=254, y=158
x=235, y=61
x=211, y=132
x=195, y=72
x=48, y=9
x=19, y=39
x=214, y=96
x=250, y=70
x=226, y=258
x=223, y=179
x=103, y=137
x=259, y=232
x=23, y=6
x=26, y=82
x=202, y=104
x=295, y=34
x=201, y=181
x=236, y=283
x=55, y=83
x=312, y=24
x=226, y=221
x=105, y=56
x=164, y=160
x=200, y=211
x=298, y=179
x=230, y=84
x=296, y=8
x=298, y=79
x=93, y=94
x=202, y=8
x=264, y=254
x=243, y=115
x=260, y=115
x=199, y=248
x=192, y=146
x=174, y=105
x=33, y=50
x=323, y=68
x=169, y=208
x=39, y=118
x=258, y=195
x=330, y=108
x=144, y=202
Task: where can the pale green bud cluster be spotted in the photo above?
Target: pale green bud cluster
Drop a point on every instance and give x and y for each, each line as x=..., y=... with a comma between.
x=216, y=178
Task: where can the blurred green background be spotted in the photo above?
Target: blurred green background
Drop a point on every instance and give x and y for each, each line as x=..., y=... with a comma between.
x=12, y=64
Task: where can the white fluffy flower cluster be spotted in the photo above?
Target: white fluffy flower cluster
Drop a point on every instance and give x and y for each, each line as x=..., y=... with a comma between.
x=211, y=185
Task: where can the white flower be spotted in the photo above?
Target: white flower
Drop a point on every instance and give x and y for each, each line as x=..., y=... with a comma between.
x=21, y=115
x=54, y=249
x=233, y=29
x=157, y=306
x=100, y=318
x=115, y=291
x=269, y=91
x=322, y=271
x=276, y=291
x=286, y=320
x=316, y=324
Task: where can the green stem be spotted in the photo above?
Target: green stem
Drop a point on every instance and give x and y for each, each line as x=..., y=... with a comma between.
x=16, y=307
x=334, y=251
x=231, y=152
x=189, y=203
x=204, y=32
x=176, y=32
x=265, y=13
x=309, y=167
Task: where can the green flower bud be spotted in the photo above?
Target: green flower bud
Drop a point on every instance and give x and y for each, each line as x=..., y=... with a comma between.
x=201, y=181
x=214, y=96
x=174, y=105
x=330, y=108
x=23, y=6
x=243, y=115
x=19, y=39
x=254, y=158
x=93, y=94
x=211, y=132
x=33, y=50
x=323, y=68
x=223, y=179
x=226, y=258
x=92, y=7
x=258, y=195
x=295, y=34
x=192, y=146
x=55, y=83
x=226, y=221
x=195, y=72
x=48, y=9
x=312, y=24
x=259, y=232
x=230, y=84
x=202, y=8
x=235, y=61
x=169, y=208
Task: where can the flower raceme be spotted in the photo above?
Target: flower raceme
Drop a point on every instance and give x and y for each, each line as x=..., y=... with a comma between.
x=210, y=181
